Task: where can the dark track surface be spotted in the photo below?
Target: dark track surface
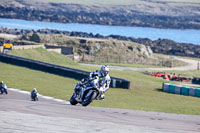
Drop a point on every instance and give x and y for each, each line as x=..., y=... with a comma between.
x=19, y=114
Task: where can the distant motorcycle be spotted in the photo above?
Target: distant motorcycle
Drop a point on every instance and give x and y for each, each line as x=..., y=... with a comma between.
x=86, y=91
x=34, y=96
x=4, y=89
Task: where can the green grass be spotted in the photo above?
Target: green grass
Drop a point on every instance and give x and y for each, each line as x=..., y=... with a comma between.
x=51, y=57
x=27, y=79
x=144, y=94
x=43, y=55
x=56, y=58
x=176, y=63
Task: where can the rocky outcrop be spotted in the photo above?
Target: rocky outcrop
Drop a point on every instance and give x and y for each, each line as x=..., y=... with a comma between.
x=34, y=37
x=169, y=47
x=162, y=15
x=109, y=50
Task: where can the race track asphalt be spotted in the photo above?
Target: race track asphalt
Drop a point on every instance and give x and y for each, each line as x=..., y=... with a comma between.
x=18, y=114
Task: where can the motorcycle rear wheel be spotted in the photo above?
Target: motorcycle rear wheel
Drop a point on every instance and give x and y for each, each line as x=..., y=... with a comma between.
x=36, y=99
x=6, y=92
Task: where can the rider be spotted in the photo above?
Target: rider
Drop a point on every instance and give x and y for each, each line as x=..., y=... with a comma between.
x=33, y=93
x=1, y=84
x=1, y=87
x=104, y=75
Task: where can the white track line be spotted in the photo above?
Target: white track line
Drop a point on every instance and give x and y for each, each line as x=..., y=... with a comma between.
x=45, y=97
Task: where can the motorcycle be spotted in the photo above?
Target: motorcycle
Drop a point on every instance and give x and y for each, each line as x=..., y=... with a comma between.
x=4, y=89
x=86, y=91
x=34, y=96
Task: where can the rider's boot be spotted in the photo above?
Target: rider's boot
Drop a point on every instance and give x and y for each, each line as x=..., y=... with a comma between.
x=101, y=97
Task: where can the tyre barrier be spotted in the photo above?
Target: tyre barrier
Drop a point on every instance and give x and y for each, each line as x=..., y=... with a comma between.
x=181, y=90
x=57, y=69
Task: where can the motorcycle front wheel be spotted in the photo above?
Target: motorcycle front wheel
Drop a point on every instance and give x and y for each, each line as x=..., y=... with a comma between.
x=89, y=97
x=73, y=100
x=6, y=92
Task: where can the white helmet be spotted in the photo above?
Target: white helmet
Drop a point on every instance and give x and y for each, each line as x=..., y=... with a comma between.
x=105, y=69
x=1, y=82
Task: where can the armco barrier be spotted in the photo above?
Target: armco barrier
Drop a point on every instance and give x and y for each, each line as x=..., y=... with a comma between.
x=58, y=70
x=183, y=90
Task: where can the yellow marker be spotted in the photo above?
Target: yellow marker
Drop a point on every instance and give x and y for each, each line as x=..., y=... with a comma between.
x=7, y=45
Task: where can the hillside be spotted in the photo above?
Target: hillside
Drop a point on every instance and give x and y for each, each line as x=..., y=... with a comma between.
x=161, y=46
x=93, y=49
x=180, y=14
x=102, y=50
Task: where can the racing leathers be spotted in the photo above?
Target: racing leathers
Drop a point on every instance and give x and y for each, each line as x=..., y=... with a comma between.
x=105, y=81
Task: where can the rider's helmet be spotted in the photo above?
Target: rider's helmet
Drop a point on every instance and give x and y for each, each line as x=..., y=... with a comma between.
x=1, y=82
x=104, y=70
x=35, y=89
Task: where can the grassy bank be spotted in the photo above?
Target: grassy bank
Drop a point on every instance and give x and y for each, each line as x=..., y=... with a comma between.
x=176, y=63
x=27, y=79
x=145, y=93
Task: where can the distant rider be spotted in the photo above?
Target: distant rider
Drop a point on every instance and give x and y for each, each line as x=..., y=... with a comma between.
x=3, y=88
x=105, y=82
x=34, y=94
x=1, y=85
